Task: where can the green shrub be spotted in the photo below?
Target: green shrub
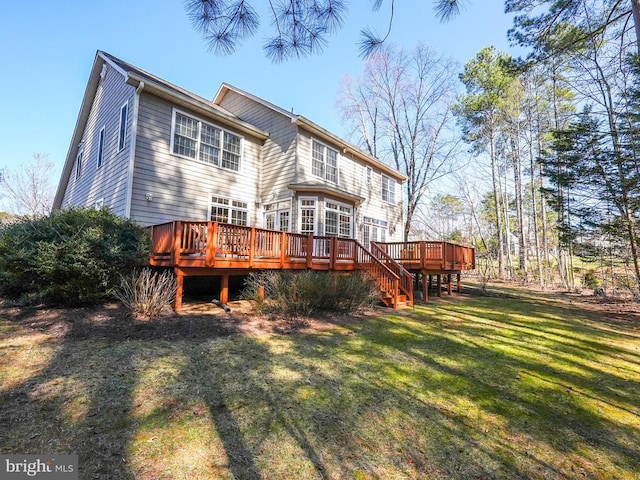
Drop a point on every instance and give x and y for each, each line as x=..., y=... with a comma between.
x=146, y=294
x=73, y=257
x=303, y=293
x=590, y=280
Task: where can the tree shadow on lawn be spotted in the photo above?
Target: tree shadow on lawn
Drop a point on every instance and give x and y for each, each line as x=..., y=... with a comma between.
x=405, y=396
x=83, y=400
x=89, y=397
x=551, y=409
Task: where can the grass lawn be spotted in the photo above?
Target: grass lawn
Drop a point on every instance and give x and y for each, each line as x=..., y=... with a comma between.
x=517, y=386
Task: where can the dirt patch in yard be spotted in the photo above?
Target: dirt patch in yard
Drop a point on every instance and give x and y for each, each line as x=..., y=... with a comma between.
x=198, y=321
x=201, y=320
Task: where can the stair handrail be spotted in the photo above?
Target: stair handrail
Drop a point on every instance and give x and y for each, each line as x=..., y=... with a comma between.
x=405, y=277
x=388, y=281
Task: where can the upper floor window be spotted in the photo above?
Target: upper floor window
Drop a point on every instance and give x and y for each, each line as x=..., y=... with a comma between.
x=100, y=147
x=388, y=189
x=79, y=163
x=225, y=210
x=324, y=162
x=123, y=126
x=207, y=143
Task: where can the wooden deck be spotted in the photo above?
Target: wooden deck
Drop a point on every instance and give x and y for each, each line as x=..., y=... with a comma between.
x=217, y=249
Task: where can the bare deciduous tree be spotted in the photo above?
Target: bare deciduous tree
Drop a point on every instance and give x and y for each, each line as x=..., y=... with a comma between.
x=29, y=190
x=400, y=111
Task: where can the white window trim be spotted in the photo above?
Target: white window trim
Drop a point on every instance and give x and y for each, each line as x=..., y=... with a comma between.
x=200, y=122
x=100, y=155
x=391, y=180
x=337, y=182
x=122, y=133
x=230, y=207
x=317, y=219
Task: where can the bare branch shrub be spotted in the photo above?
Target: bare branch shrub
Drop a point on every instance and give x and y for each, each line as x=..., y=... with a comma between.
x=146, y=293
x=307, y=292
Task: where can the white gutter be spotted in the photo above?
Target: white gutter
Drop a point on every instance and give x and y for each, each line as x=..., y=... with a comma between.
x=132, y=150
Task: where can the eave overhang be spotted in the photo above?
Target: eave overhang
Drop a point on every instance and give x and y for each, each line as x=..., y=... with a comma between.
x=326, y=189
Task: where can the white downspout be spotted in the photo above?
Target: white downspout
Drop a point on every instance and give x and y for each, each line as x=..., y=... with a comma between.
x=132, y=152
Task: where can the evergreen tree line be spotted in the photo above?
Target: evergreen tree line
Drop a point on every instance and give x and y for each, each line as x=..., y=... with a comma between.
x=560, y=135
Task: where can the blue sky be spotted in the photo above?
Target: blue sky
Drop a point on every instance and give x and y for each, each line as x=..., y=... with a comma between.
x=47, y=49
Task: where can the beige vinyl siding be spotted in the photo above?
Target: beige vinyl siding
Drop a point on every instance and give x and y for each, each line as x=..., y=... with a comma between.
x=180, y=187
x=109, y=182
x=374, y=207
x=279, y=151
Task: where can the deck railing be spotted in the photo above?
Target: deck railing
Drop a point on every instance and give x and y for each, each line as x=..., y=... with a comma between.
x=221, y=245
x=431, y=255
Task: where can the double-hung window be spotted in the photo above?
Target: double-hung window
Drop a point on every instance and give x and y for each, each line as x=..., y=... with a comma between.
x=388, y=189
x=226, y=210
x=324, y=162
x=193, y=138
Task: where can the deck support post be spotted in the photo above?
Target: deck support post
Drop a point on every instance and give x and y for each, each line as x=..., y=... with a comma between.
x=426, y=279
x=283, y=248
x=333, y=252
x=458, y=283
x=439, y=285
x=224, y=289
x=309, y=251
x=260, y=293
x=448, y=284
x=177, y=302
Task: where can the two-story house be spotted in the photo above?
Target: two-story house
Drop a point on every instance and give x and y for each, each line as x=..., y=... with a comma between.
x=154, y=152
x=236, y=183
